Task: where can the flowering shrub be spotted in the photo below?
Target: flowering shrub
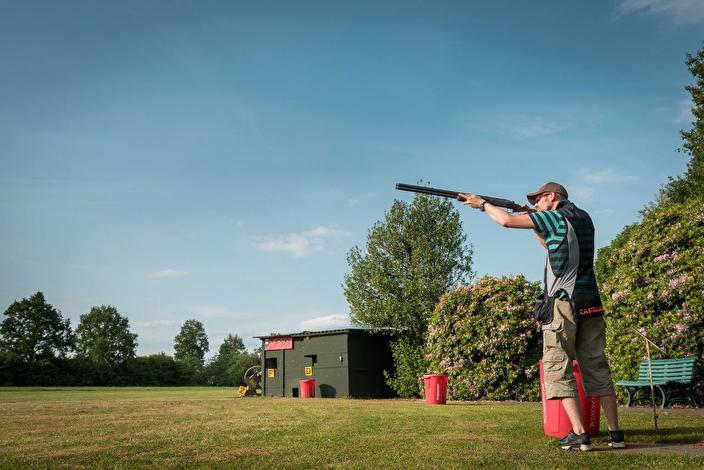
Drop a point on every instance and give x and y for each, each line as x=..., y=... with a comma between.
x=484, y=338
x=652, y=280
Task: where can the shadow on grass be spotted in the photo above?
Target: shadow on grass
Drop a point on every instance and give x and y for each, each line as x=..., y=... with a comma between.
x=650, y=448
x=675, y=435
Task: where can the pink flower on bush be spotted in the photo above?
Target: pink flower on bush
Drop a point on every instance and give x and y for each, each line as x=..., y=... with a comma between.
x=616, y=295
x=683, y=278
x=503, y=327
x=665, y=257
x=650, y=296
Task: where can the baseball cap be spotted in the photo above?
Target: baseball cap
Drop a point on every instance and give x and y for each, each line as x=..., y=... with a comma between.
x=550, y=187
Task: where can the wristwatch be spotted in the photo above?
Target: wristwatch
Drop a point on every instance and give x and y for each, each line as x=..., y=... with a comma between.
x=481, y=206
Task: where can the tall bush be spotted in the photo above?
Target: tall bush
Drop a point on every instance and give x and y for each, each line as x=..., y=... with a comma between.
x=484, y=337
x=652, y=280
x=412, y=257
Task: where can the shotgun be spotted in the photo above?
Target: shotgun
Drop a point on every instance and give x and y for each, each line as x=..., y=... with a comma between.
x=495, y=201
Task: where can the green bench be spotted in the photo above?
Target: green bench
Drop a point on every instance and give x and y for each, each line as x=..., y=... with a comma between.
x=672, y=380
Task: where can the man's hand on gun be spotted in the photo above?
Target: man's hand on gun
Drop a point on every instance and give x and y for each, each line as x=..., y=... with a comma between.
x=472, y=200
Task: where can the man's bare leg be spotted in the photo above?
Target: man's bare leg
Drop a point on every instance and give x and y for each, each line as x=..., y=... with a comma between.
x=610, y=407
x=571, y=406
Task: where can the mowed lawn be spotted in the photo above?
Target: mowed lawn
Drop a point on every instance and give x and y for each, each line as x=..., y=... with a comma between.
x=209, y=427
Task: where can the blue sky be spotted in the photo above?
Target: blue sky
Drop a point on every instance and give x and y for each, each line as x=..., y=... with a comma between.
x=217, y=160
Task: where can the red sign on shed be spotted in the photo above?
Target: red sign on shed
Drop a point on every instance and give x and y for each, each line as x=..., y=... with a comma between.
x=282, y=342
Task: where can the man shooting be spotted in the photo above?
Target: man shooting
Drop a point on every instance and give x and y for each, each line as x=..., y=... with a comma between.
x=572, y=322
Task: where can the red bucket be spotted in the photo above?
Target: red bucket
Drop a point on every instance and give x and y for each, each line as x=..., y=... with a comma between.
x=556, y=423
x=435, y=388
x=307, y=388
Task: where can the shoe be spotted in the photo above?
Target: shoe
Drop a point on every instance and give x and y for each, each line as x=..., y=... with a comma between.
x=576, y=441
x=616, y=440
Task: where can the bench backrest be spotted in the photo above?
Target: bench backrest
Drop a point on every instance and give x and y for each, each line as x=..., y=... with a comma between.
x=673, y=370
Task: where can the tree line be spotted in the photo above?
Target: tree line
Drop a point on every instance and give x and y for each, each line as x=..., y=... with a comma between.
x=39, y=347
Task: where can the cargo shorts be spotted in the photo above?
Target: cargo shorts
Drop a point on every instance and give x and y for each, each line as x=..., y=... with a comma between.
x=567, y=338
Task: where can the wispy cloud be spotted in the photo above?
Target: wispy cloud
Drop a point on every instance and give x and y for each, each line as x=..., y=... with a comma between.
x=299, y=244
x=604, y=211
x=585, y=192
x=168, y=273
x=607, y=176
x=679, y=12
x=684, y=110
x=519, y=127
x=154, y=323
x=529, y=127
x=680, y=112
x=358, y=198
x=325, y=323
x=581, y=193
x=212, y=311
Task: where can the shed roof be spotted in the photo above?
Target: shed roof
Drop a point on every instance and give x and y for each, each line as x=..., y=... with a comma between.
x=327, y=332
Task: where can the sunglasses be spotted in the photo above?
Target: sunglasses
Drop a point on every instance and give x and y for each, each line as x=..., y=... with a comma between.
x=537, y=197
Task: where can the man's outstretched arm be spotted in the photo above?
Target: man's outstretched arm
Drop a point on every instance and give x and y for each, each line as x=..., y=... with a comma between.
x=505, y=219
x=500, y=216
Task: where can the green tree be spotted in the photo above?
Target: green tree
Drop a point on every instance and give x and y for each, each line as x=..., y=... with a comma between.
x=228, y=366
x=191, y=344
x=414, y=256
x=103, y=337
x=232, y=344
x=33, y=330
x=691, y=184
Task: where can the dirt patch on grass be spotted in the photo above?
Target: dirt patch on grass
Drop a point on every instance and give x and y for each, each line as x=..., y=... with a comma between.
x=665, y=411
x=646, y=448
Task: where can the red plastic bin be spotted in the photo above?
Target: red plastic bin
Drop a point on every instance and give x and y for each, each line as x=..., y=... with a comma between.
x=435, y=388
x=556, y=423
x=307, y=388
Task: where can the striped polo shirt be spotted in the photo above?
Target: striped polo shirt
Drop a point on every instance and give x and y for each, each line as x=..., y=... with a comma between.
x=562, y=261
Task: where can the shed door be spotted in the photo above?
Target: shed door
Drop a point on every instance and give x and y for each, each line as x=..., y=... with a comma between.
x=274, y=373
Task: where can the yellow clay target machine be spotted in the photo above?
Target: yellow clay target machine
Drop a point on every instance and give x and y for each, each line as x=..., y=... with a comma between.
x=252, y=377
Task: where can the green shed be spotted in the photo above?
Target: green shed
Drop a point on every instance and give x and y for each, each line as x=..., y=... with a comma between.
x=347, y=362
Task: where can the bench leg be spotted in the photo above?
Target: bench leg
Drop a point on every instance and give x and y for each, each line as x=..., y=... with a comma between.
x=691, y=396
x=663, y=396
x=680, y=394
x=629, y=396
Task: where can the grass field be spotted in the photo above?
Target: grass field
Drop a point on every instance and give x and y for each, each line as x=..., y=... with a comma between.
x=208, y=427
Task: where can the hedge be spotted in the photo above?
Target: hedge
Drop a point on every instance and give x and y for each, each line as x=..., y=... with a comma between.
x=484, y=337
x=652, y=280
